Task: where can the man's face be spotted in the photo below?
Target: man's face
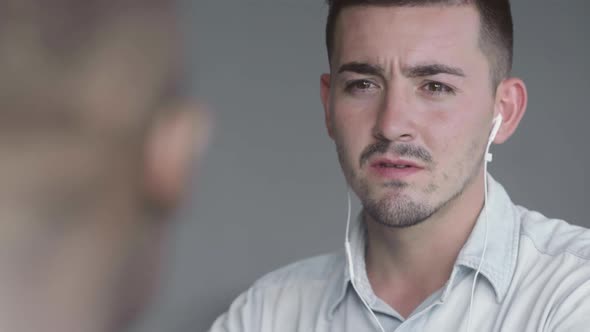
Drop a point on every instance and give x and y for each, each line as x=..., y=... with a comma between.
x=409, y=105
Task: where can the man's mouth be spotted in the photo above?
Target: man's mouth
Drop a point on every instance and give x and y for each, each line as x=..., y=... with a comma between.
x=397, y=163
x=392, y=165
x=394, y=168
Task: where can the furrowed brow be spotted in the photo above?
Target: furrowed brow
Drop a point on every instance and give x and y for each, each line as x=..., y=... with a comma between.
x=362, y=68
x=431, y=70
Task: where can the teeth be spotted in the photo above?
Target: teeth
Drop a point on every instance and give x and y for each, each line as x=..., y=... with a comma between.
x=394, y=166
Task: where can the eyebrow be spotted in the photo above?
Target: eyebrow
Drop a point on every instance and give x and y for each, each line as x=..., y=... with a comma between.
x=431, y=70
x=362, y=68
x=412, y=71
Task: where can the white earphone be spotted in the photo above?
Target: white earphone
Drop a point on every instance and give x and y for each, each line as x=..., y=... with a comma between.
x=496, y=127
x=351, y=268
x=488, y=158
x=497, y=122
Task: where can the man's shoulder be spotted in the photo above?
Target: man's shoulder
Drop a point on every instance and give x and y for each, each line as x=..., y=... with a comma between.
x=297, y=292
x=554, y=237
x=315, y=269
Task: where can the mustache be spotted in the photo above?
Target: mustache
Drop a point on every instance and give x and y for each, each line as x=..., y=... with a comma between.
x=401, y=149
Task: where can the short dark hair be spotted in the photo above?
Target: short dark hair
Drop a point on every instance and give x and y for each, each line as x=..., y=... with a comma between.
x=496, y=31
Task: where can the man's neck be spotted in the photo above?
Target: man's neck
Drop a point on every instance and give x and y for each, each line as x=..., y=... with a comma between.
x=407, y=265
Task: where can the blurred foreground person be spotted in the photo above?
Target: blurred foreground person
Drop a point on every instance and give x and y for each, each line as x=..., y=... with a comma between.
x=95, y=145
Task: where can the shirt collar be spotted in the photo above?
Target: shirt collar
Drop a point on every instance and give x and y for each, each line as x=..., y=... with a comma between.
x=498, y=264
x=503, y=234
x=358, y=233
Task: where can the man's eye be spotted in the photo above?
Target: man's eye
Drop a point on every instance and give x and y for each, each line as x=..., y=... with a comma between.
x=437, y=88
x=360, y=86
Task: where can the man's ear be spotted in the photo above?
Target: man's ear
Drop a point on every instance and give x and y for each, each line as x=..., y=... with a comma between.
x=176, y=140
x=511, y=102
x=325, y=95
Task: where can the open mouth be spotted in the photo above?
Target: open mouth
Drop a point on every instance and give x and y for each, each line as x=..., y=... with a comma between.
x=392, y=165
x=394, y=168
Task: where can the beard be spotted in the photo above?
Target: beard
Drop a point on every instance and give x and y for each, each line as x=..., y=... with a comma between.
x=400, y=210
x=397, y=209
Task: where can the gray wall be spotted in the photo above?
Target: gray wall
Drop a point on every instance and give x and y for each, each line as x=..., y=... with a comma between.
x=271, y=191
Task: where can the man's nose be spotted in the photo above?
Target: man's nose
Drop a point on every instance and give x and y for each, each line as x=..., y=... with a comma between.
x=395, y=119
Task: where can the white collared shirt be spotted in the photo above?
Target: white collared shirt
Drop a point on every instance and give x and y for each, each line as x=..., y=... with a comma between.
x=535, y=277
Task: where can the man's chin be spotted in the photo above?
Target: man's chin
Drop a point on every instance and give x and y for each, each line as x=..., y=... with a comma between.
x=393, y=207
x=390, y=193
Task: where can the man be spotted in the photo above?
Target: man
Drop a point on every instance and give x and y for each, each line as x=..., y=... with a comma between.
x=96, y=141
x=417, y=92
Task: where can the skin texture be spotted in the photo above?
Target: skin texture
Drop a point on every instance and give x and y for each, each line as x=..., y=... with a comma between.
x=412, y=84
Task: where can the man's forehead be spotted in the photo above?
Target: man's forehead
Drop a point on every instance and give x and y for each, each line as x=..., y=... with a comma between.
x=374, y=34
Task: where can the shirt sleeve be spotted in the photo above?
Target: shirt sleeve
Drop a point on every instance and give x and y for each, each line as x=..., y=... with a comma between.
x=242, y=316
x=573, y=312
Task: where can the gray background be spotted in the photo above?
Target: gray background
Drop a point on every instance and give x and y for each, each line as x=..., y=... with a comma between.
x=271, y=191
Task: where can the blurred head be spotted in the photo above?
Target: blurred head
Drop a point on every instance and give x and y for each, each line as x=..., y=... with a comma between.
x=413, y=89
x=96, y=140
